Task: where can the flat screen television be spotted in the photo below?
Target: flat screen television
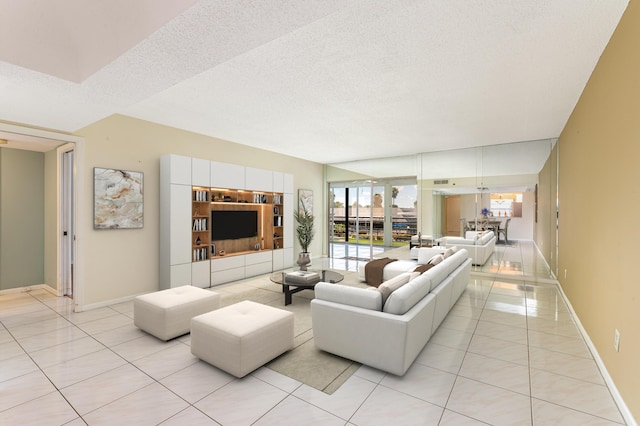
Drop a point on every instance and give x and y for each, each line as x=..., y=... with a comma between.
x=233, y=224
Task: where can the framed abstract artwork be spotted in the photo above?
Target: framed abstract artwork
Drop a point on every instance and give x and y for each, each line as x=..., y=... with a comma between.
x=118, y=199
x=305, y=200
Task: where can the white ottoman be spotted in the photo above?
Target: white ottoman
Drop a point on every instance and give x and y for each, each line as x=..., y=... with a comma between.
x=242, y=337
x=167, y=314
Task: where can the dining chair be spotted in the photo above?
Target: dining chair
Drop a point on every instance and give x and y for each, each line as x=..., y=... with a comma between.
x=503, y=230
x=464, y=226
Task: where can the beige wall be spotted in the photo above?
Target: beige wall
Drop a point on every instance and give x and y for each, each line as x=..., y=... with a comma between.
x=545, y=228
x=120, y=263
x=599, y=240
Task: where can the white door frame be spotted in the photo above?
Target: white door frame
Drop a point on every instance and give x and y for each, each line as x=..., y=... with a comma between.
x=28, y=134
x=66, y=213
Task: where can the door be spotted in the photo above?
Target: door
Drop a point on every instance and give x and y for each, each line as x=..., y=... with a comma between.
x=452, y=207
x=67, y=222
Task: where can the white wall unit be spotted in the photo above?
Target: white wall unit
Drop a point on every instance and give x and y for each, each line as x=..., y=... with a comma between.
x=278, y=182
x=179, y=275
x=227, y=269
x=258, y=263
x=288, y=207
x=224, y=263
x=288, y=183
x=178, y=174
x=201, y=274
x=180, y=212
x=288, y=257
x=278, y=260
x=179, y=169
x=227, y=276
x=224, y=175
x=258, y=179
x=200, y=172
x=175, y=221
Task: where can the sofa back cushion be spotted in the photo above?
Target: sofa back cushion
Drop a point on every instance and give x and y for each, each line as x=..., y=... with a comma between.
x=404, y=298
x=345, y=295
x=426, y=253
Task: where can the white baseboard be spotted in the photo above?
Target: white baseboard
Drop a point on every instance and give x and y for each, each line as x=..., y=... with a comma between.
x=29, y=288
x=624, y=410
x=106, y=303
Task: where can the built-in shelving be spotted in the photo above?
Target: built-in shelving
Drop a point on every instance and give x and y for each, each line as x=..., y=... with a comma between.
x=200, y=212
x=270, y=224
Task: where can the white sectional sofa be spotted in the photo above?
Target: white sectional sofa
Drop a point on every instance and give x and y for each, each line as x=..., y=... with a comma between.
x=359, y=324
x=480, y=245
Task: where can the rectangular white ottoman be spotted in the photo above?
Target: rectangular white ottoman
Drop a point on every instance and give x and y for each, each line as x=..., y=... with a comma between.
x=242, y=337
x=167, y=314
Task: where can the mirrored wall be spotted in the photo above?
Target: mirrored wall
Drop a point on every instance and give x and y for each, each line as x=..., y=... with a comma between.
x=489, y=187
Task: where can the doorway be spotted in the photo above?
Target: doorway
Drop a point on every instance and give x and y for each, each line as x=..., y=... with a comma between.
x=452, y=207
x=56, y=251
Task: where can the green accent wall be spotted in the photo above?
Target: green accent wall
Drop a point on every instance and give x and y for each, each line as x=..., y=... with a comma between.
x=21, y=218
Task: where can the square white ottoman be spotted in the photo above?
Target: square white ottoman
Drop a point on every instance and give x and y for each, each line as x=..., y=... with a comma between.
x=167, y=313
x=242, y=337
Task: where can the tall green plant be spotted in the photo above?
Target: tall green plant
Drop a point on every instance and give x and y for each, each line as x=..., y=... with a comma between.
x=304, y=230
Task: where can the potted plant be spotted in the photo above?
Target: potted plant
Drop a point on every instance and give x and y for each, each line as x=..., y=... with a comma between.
x=304, y=231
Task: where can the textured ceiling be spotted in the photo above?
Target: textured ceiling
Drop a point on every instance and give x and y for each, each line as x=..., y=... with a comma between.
x=327, y=81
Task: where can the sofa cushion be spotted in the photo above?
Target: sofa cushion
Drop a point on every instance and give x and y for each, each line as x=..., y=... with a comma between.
x=436, y=259
x=353, y=296
x=458, y=241
x=404, y=298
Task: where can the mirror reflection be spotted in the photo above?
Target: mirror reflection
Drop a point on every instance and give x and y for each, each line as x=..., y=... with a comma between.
x=454, y=194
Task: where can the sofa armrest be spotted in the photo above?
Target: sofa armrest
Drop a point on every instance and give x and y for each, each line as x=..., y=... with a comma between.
x=352, y=296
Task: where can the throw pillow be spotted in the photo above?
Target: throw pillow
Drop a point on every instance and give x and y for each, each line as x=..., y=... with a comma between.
x=436, y=259
x=389, y=286
x=451, y=250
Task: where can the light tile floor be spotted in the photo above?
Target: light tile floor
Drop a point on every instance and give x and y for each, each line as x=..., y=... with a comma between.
x=508, y=353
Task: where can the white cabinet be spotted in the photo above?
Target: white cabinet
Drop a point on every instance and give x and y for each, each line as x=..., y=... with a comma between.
x=278, y=182
x=179, y=169
x=175, y=221
x=227, y=269
x=179, y=275
x=180, y=233
x=288, y=220
x=288, y=183
x=200, y=172
x=258, y=179
x=278, y=260
x=224, y=175
x=201, y=274
x=258, y=263
x=288, y=257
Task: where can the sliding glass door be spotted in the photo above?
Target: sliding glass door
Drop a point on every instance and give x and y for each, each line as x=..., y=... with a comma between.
x=372, y=213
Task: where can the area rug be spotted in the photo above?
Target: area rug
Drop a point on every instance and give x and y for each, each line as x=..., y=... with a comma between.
x=304, y=363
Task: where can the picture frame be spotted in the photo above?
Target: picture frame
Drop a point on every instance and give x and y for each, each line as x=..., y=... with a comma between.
x=118, y=199
x=305, y=200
